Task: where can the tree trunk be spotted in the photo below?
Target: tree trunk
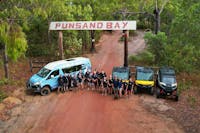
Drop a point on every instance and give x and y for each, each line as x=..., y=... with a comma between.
x=60, y=41
x=157, y=20
x=5, y=62
x=83, y=42
x=49, y=34
x=92, y=41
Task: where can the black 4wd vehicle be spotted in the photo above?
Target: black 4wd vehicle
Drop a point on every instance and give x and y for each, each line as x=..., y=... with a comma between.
x=166, y=83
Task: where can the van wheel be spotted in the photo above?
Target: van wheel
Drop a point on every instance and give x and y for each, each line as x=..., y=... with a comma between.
x=45, y=91
x=135, y=90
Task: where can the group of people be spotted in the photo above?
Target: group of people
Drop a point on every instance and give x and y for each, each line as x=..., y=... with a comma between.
x=95, y=81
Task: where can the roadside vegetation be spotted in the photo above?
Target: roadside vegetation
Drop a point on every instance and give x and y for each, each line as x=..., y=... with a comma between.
x=176, y=44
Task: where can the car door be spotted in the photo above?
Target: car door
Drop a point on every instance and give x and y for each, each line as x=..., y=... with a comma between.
x=52, y=79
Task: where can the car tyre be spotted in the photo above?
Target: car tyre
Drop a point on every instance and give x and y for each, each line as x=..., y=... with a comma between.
x=157, y=93
x=135, y=90
x=152, y=91
x=176, y=98
x=45, y=91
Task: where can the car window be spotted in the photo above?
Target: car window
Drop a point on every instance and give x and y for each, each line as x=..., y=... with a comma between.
x=74, y=69
x=54, y=73
x=79, y=67
x=66, y=70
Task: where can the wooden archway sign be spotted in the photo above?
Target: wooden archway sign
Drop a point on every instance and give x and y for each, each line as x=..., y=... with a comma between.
x=93, y=25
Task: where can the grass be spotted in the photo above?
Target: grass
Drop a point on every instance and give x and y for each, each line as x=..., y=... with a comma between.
x=184, y=85
x=4, y=81
x=192, y=100
x=3, y=95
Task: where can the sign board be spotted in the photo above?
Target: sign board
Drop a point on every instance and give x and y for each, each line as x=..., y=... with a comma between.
x=93, y=25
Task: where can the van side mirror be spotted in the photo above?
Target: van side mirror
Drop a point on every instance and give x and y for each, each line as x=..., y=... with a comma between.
x=52, y=76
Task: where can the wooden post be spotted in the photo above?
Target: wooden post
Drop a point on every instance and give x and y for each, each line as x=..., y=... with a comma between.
x=31, y=65
x=92, y=49
x=60, y=43
x=125, y=48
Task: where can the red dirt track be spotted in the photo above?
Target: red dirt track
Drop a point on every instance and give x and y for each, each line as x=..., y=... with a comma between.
x=88, y=111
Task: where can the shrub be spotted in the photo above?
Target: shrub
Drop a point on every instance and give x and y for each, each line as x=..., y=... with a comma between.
x=36, y=50
x=3, y=95
x=156, y=44
x=144, y=58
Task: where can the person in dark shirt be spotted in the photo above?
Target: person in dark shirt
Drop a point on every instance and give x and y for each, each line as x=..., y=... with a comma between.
x=110, y=85
x=87, y=79
x=80, y=77
x=90, y=82
x=104, y=74
x=105, y=86
x=65, y=82
x=130, y=87
x=60, y=84
x=74, y=83
x=115, y=86
x=69, y=81
x=120, y=87
x=99, y=81
x=100, y=76
x=125, y=84
x=94, y=79
x=115, y=83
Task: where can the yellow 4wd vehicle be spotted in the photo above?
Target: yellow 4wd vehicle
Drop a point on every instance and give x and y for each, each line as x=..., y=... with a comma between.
x=144, y=79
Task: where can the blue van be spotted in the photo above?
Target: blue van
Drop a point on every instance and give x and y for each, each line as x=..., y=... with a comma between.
x=46, y=79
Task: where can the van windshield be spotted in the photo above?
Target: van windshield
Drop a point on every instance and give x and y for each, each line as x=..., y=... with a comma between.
x=148, y=76
x=43, y=72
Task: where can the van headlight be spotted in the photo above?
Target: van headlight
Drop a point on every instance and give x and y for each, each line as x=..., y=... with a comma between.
x=36, y=83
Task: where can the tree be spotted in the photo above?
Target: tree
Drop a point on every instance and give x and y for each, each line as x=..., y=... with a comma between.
x=14, y=41
x=156, y=44
x=11, y=35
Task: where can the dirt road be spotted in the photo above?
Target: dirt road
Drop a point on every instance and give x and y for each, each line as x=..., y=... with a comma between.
x=88, y=111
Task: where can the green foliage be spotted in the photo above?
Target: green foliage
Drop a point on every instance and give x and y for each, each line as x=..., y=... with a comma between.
x=73, y=47
x=174, y=57
x=4, y=81
x=12, y=36
x=3, y=95
x=1, y=63
x=144, y=58
x=184, y=37
x=192, y=100
x=184, y=85
x=156, y=44
x=38, y=50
